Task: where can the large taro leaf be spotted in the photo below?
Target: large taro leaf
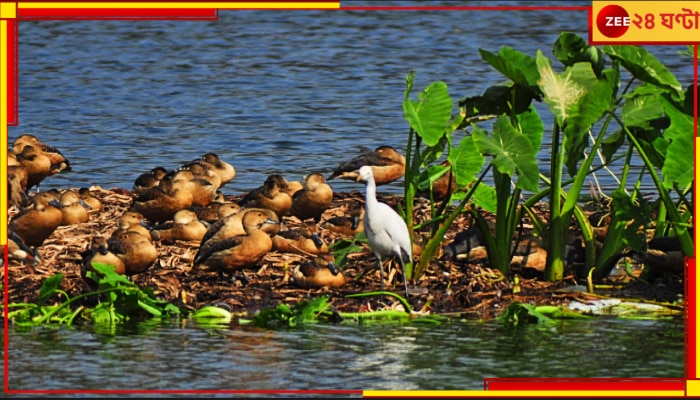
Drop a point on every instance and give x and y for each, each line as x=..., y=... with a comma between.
x=511, y=151
x=516, y=66
x=645, y=67
x=467, y=161
x=530, y=125
x=642, y=110
x=578, y=99
x=678, y=166
x=429, y=115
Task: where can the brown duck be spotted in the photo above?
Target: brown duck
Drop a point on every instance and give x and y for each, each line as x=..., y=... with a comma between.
x=270, y=196
x=148, y=180
x=303, y=240
x=318, y=272
x=387, y=165
x=136, y=252
x=243, y=251
x=99, y=253
x=311, y=201
x=58, y=160
x=185, y=227
x=37, y=222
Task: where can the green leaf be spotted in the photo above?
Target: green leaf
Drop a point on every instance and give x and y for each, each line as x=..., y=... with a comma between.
x=49, y=287
x=429, y=115
x=467, y=161
x=642, y=110
x=516, y=66
x=645, y=67
x=678, y=166
x=570, y=49
x=596, y=99
x=530, y=124
x=512, y=153
x=485, y=197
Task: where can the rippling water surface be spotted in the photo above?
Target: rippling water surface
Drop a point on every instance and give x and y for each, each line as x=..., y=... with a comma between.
x=287, y=92
x=453, y=356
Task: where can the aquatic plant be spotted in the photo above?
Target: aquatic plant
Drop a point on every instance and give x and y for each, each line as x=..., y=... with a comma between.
x=654, y=121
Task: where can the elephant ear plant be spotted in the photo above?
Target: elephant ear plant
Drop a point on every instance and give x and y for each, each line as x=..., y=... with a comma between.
x=591, y=114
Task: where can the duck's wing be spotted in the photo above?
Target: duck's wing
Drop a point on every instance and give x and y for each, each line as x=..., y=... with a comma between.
x=218, y=246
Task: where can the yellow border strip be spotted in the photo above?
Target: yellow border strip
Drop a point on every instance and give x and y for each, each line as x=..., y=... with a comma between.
x=3, y=129
x=225, y=5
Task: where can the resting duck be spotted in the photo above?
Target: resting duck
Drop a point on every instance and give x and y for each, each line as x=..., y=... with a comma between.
x=311, y=201
x=387, y=165
x=270, y=196
x=225, y=170
x=37, y=222
x=185, y=227
x=202, y=170
x=159, y=203
x=530, y=254
x=17, y=179
x=243, y=251
x=318, y=272
x=132, y=221
x=73, y=208
x=37, y=165
x=58, y=160
x=136, y=251
x=663, y=255
x=17, y=250
x=148, y=180
x=99, y=253
x=347, y=225
x=231, y=226
x=303, y=240
x=95, y=204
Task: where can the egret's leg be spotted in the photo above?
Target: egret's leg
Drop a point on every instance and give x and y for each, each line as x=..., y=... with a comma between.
x=405, y=279
x=381, y=271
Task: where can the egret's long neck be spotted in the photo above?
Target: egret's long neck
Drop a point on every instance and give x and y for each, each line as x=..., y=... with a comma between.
x=371, y=192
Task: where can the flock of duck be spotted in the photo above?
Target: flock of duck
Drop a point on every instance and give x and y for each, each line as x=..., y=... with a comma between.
x=186, y=203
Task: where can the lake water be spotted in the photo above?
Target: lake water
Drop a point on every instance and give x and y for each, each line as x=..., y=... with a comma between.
x=287, y=92
x=450, y=356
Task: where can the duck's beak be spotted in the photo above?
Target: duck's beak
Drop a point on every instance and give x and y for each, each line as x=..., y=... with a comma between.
x=317, y=240
x=333, y=268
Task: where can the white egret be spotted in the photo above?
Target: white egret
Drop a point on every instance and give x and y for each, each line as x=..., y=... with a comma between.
x=386, y=231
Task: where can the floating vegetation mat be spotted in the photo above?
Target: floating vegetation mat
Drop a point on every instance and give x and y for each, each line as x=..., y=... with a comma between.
x=461, y=289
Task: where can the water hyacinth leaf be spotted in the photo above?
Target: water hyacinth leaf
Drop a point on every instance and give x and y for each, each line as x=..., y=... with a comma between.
x=678, y=166
x=49, y=287
x=429, y=115
x=570, y=48
x=516, y=66
x=511, y=151
x=467, y=161
x=531, y=126
x=645, y=67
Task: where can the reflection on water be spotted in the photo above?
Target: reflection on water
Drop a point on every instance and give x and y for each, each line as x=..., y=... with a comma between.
x=452, y=356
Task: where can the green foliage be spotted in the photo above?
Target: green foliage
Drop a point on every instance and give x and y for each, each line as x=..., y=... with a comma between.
x=304, y=312
x=518, y=313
